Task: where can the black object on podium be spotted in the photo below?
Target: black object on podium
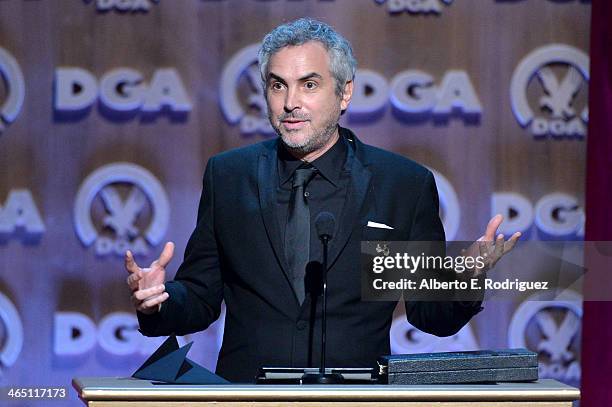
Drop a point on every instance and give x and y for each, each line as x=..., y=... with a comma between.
x=482, y=366
x=169, y=364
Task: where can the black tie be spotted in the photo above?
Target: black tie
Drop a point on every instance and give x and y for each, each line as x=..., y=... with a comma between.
x=297, y=232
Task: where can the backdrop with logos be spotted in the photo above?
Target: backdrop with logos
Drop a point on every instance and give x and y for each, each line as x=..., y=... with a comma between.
x=109, y=111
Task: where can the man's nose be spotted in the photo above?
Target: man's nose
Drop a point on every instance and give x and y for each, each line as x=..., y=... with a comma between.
x=292, y=100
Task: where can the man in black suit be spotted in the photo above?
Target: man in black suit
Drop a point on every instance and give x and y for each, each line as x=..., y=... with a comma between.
x=255, y=246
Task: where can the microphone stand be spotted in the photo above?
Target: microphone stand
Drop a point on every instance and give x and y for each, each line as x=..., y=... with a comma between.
x=322, y=377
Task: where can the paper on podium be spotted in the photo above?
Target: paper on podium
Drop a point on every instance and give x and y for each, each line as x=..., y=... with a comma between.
x=169, y=364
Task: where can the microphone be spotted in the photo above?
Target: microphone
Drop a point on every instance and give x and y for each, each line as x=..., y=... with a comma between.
x=325, y=223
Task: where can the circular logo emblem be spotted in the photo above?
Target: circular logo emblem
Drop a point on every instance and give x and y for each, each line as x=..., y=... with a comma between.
x=125, y=190
x=241, y=94
x=13, y=77
x=550, y=106
x=551, y=328
x=11, y=332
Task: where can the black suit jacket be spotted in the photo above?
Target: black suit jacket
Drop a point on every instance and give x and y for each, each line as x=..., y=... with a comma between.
x=235, y=254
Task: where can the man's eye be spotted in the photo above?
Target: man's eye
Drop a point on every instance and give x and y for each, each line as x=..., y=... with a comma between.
x=276, y=86
x=310, y=85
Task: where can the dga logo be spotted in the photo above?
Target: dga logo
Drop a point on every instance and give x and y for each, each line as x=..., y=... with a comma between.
x=551, y=328
x=556, y=214
x=120, y=197
x=11, y=332
x=413, y=95
x=121, y=91
x=123, y=5
x=563, y=74
x=415, y=6
x=15, y=89
x=117, y=333
x=241, y=77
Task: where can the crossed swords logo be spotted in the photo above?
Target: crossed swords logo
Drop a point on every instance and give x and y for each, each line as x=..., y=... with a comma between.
x=559, y=95
x=122, y=214
x=558, y=338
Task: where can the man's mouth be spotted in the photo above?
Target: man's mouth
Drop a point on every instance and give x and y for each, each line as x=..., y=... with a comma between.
x=293, y=124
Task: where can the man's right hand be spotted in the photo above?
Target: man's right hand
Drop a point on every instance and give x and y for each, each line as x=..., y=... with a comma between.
x=147, y=285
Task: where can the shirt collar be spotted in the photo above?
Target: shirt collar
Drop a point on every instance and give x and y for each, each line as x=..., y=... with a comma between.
x=329, y=165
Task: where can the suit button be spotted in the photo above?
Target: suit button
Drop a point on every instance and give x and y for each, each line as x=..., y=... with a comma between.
x=301, y=325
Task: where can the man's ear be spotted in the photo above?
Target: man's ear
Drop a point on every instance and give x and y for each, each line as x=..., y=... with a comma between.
x=346, y=95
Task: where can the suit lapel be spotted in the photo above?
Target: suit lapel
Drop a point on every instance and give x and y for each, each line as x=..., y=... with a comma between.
x=267, y=177
x=359, y=183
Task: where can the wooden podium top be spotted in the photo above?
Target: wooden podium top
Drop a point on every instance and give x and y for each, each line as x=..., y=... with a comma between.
x=101, y=391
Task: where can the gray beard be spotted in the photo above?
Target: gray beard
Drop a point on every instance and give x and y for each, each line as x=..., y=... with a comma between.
x=317, y=141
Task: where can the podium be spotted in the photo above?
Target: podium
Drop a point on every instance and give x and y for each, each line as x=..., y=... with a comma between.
x=129, y=392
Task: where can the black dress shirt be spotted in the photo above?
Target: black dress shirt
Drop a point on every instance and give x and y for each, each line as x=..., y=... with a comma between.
x=326, y=191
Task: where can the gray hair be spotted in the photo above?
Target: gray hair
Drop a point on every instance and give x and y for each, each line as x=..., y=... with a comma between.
x=342, y=63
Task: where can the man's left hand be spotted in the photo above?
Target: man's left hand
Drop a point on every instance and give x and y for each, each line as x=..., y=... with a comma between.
x=491, y=248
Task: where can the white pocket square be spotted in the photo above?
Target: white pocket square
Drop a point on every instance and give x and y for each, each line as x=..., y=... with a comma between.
x=378, y=225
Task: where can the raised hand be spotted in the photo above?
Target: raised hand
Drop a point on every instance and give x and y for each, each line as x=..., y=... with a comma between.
x=492, y=248
x=147, y=284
